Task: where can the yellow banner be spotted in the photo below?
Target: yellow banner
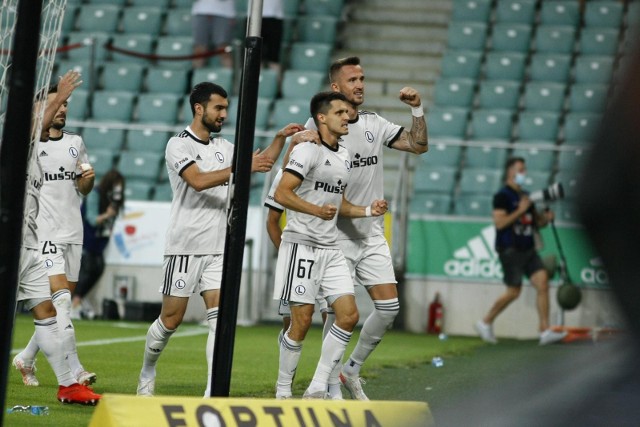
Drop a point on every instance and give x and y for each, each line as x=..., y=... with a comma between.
x=126, y=410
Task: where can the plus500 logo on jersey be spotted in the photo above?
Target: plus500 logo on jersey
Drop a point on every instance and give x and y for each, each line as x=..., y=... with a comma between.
x=360, y=162
x=328, y=188
x=63, y=175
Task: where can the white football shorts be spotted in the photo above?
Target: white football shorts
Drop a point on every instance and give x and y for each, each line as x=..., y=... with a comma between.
x=33, y=282
x=184, y=274
x=369, y=260
x=62, y=258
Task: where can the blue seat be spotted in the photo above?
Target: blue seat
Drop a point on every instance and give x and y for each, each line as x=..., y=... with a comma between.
x=178, y=22
x=598, y=41
x=461, y=64
x=437, y=179
x=480, y=181
x=149, y=140
x=508, y=37
x=466, y=35
x=447, y=123
x=122, y=76
x=454, y=92
x=550, y=67
x=482, y=156
x=98, y=18
x=112, y=105
x=163, y=192
x=499, y=94
x=220, y=76
x=473, y=205
x=440, y=154
x=87, y=40
x=324, y=7
x=104, y=138
x=536, y=180
x=555, y=39
x=263, y=113
x=560, y=13
x=77, y=105
x=603, y=14
x=158, y=108
x=491, y=124
x=505, y=66
x=516, y=11
x=138, y=190
x=317, y=29
x=137, y=43
x=538, y=125
x=471, y=10
x=580, y=128
x=536, y=158
x=166, y=80
x=586, y=97
x=142, y=20
x=430, y=203
x=572, y=160
x=268, y=83
x=287, y=111
x=301, y=84
x=593, y=69
x=172, y=47
x=140, y=165
x=544, y=96
x=310, y=56
x=101, y=160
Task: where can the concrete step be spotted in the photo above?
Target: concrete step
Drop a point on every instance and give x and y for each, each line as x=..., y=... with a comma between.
x=408, y=17
x=418, y=47
x=402, y=74
x=431, y=5
x=370, y=57
x=396, y=32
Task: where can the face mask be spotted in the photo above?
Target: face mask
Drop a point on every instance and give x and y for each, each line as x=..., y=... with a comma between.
x=520, y=178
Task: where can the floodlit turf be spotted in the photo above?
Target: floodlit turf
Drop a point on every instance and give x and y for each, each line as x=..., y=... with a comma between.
x=114, y=351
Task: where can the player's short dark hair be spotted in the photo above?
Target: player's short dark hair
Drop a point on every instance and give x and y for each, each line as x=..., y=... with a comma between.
x=201, y=93
x=512, y=161
x=337, y=65
x=321, y=102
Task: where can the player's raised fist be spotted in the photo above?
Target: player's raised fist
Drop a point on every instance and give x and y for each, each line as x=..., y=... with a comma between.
x=410, y=96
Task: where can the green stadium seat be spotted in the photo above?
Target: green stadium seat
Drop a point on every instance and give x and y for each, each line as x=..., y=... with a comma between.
x=186, y=115
x=69, y=19
x=112, y=106
x=537, y=159
x=508, y=37
x=473, y=205
x=301, y=84
x=572, y=160
x=440, y=154
x=555, y=39
x=178, y=4
x=87, y=40
x=162, y=4
x=550, y=67
x=536, y=180
x=466, y=35
x=220, y=76
x=481, y=156
x=162, y=192
x=158, y=108
x=148, y=139
x=291, y=7
x=447, y=123
x=138, y=43
x=178, y=22
x=516, y=11
x=317, y=29
x=287, y=111
x=140, y=165
x=98, y=18
x=593, y=69
x=603, y=14
x=310, y=56
x=109, y=2
x=499, y=94
x=268, y=83
x=598, y=41
x=122, y=76
x=166, y=80
x=586, y=97
x=77, y=105
x=323, y=7
x=480, y=181
x=142, y=20
x=538, y=125
x=137, y=190
x=104, y=138
x=560, y=13
x=544, y=96
x=491, y=124
x=174, y=46
x=454, y=92
x=101, y=160
x=471, y=10
x=430, y=203
x=505, y=66
x=580, y=128
x=437, y=179
x=460, y=64
x=263, y=112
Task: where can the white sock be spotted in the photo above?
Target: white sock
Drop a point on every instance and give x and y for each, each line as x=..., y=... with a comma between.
x=62, y=302
x=157, y=338
x=333, y=347
x=290, y=351
x=334, y=378
x=28, y=355
x=371, y=334
x=212, y=320
x=46, y=336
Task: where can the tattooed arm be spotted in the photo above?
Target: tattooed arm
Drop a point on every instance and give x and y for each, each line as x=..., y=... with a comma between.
x=415, y=140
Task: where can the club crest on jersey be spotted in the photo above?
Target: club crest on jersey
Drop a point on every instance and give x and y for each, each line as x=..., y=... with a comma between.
x=48, y=263
x=300, y=290
x=180, y=284
x=219, y=156
x=369, y=136
x=328, y=188
x=74, y=152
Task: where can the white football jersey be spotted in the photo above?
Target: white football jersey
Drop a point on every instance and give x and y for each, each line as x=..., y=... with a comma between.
x=270, y=201
x=59, y=219
x=367, y=135
x=198, y=220
x=324, y=172
x=32, y=202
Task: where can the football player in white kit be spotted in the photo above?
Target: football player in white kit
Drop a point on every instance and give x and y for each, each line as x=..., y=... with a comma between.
x=199, y=168
x=310, y=262
x=67, y=177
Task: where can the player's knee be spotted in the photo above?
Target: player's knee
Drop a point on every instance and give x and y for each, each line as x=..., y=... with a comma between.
x=171, y=322
x=348, y=320
x=513, y=292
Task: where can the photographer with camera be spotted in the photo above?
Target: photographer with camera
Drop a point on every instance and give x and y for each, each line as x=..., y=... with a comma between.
x=99, y=212
x=517, y=222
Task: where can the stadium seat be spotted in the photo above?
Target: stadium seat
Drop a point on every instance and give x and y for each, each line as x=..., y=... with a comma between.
x=69, y=19
x=460, y=64
x=471, y=10
x=440, y=154
x=544, y=96
x=447, y=123
x=310, y=56
x=149, y=140
x=454, y=92
x=112, y=2
x=122, y=76
x=499, y=94
x=571, y=160
x=301, y=84
x=580, y=128
x=480, y=181
x=77, y=105
x=174, y=46
x=178, y=22
x=593, y=69
x=158, y=108
x=538, y=125
x=508, y=37
x=112, y=106
x=263, y=112
x=555, y=39
x=560, y=13
x=474, y=205
x=324, y=7
x=287, y=111
x=140, y=165
x=466, y=35
x=162, y=4
x=430, y=203
x=104, y=138
x=587, y=97
x=142, y=20
x=598, y=41
x=603, y=14
x=138, y=43
x=98, y=39
x=536, y=180
x=220, y=76
x=481, y=156
x=537, y=159
x=569, y=181
x=162, y=192
x=504, y=66
x=491, y=124
x=292, y=7
x=436, y=179
x=98, y=18
x=268, y=83
x=317, y=29
x=166, y=80
x=550, y=67
x=516, y=11
x=137, y=190
x=101, y=160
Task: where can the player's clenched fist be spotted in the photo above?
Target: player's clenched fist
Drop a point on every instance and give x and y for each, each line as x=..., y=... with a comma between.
x=410, y=96
x=327, y=212
x=378, y=207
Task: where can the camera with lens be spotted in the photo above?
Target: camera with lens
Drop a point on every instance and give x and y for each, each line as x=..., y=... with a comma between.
x=550, y=194
x=115, y=197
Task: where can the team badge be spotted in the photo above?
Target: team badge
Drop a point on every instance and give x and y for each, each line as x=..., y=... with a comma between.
x=368, y=136
x=74, y=152
x=180, y=284
x=300, y=290
x=219, y=156
x=48, y=263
